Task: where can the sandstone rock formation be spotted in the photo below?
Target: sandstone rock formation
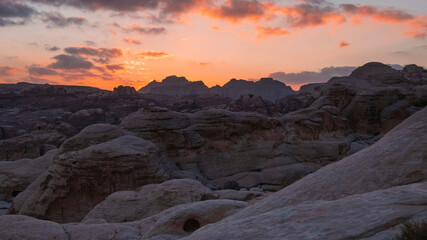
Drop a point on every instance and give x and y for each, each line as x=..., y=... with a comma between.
x=78, y=180
x=172, y=223
x=353, y=217
x=31, y=145
x=398, y=158
x=126, y=206
x=17, y=175
x=267, y=88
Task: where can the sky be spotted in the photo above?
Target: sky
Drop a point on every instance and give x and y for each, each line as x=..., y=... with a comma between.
x=106, y=43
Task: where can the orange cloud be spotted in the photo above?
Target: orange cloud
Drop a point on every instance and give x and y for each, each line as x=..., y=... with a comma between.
x=204, y=63
x=270, y=31
x=419, y=35
x=6, y=71
x=344, y=44
x=151, y=55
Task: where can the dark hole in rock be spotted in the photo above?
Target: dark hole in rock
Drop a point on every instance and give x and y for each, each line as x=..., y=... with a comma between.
x=191, y=225
x=15, y=193
x=74, y=162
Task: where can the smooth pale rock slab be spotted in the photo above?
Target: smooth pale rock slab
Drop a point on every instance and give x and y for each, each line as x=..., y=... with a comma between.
x=351, y=217
x=126, y=206
x=15, y=227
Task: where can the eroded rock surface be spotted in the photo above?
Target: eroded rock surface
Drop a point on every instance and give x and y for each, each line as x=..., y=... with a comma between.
x=78, y=180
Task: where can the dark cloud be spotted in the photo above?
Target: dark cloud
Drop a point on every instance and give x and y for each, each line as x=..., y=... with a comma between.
x=304, y=15
x=116, y=5
x=177, y=7
x=237, y=10
x=132, y=41
x=312, y=77
x=55, y=19
x=90, y=43
x=52, y=48
x=102, y=60
x=95, y=52
x=7, y=71
x=70, y=62
x=165, y=6
x=14, y=13
x=41, y=71
x=115, y=67
x=389, y=15
x=144, y=30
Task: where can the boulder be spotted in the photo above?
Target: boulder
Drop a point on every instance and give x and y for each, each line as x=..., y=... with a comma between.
x=126, y=206
x=78, y=180
x=15, y=176
x=92, y=135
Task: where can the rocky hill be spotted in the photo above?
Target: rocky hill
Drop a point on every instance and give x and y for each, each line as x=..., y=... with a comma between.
x=266, y=88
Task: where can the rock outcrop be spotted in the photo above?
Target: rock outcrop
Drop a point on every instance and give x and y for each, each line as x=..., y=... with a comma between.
x=30, y=145
x=78, y=180
x=16, y=176
x=127, y=206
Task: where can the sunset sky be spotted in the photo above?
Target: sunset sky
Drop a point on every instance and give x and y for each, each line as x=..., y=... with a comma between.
x=106, y=43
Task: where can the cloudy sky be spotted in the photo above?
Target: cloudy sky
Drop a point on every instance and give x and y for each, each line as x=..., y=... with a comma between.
x=106, y=43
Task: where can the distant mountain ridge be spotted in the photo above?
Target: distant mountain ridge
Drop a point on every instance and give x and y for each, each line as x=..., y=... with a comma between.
x=267, y=88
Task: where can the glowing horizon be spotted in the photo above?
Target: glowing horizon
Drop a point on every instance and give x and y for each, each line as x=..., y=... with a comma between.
x=106, y=43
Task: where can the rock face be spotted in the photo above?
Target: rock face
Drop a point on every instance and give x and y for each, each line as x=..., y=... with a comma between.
x=17, y=175
x=31, y=145
x=129, y=206
x=213, y=143
x=370, y=191
x=374, y=98
x=79, y=180
x=252, y=103
x=353, y=217
x=247, y=148
x=398, y=158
